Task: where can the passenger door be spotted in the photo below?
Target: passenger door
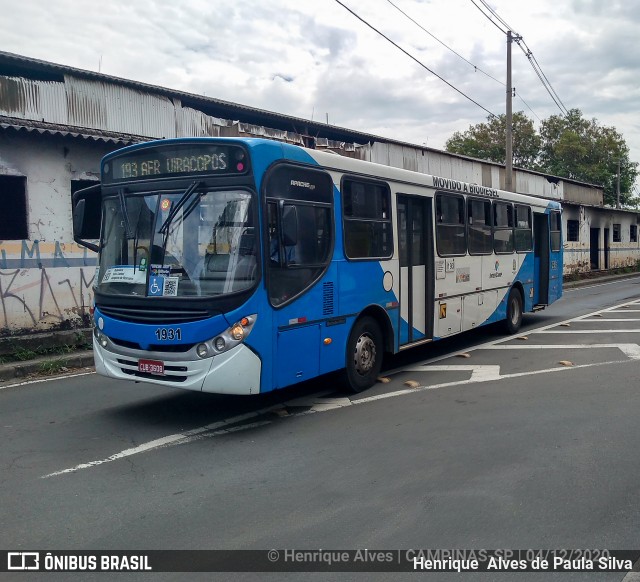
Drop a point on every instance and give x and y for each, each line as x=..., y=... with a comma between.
x=541, y=259
x=415, y=245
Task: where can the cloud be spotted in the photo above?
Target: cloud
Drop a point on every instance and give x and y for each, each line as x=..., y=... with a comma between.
x=315, y=58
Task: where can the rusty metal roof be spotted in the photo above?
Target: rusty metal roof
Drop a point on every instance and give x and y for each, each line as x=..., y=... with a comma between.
x=17, y=65
x=30, y=125
x=13, y=65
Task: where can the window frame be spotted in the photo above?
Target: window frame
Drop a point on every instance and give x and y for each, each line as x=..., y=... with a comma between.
x=496, y=227
x=438, y=225
x=516, y=229
x=555, y=216
x=577, y=230
x=633, y=233
x=616, y=229
x=469, y=225
x=349, y=179
x=268, y=198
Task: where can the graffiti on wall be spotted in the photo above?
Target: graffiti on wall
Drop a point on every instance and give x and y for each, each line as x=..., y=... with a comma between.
x=45, y=284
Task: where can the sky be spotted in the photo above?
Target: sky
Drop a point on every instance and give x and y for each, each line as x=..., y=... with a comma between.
x=313, y=59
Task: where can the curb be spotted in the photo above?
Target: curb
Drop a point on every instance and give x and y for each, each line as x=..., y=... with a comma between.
x=75, y=338
x=46, y=366
x=597, y=280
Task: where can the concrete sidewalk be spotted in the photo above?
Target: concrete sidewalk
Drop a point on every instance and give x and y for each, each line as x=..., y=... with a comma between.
x=44, y=354
x=598, y=279
x=51, y=365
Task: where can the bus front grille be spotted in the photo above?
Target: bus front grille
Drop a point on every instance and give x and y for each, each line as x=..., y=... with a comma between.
x=157, y=316
x=169, y=348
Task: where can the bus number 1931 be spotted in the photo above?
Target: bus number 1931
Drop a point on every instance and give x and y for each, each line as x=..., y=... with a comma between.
x=164, y=334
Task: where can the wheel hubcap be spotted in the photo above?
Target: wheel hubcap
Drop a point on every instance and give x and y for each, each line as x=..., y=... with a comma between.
x=515, y=312
x=365, y=354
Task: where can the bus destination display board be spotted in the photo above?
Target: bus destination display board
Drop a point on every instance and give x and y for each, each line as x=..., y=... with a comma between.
x=179, y=160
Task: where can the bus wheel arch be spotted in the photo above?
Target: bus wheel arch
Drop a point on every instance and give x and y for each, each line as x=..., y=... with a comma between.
x=515, y=309
x=368, y=340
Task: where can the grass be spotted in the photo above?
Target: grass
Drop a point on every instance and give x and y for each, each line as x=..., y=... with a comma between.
x=20, y=354
x=579, y=276
x=52, y=367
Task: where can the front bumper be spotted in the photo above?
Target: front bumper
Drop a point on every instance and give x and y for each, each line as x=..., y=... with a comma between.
x=234, y=372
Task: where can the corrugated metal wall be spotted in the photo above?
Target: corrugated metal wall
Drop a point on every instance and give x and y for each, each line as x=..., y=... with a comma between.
x=38, y=100
x=113, y=107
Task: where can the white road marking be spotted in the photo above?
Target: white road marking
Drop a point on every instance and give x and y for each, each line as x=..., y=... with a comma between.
x=48, y=379
x=463, y=382
x=479, y=374
x=170, y=440
x=509, y=338
x=591, y=331
x=603, y=319
x=330, y=404
x=632, y=351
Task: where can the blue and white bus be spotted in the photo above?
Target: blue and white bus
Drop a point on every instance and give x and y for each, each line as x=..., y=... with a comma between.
x=240, y=266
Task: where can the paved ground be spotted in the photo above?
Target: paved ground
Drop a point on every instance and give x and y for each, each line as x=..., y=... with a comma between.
x=526, y=443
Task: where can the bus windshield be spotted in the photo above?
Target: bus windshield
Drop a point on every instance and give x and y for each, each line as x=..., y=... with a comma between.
x=198, y=243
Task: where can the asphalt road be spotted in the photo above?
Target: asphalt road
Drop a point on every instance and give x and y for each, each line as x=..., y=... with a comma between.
x=526, y=443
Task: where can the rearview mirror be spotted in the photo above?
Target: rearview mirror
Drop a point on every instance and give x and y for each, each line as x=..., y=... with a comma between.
x=87, y=209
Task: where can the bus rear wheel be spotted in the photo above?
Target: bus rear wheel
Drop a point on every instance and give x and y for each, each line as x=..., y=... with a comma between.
x=514, y=311
x=364, y=355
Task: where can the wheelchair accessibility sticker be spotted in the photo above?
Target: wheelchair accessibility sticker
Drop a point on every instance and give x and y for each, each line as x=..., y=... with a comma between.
x=163, y=286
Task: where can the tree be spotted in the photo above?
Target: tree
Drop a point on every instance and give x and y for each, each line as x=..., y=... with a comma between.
x=567, y=146
x=581, y=149
x=486, y=141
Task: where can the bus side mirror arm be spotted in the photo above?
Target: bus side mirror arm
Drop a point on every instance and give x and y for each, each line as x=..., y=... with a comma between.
x=81, y=218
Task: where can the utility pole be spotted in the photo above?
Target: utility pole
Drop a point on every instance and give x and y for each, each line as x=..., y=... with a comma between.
x=508, y=178
x=618, y=187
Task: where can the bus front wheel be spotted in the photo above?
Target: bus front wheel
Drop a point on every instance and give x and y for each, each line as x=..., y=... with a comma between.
x=364, y=355
x=514, y=311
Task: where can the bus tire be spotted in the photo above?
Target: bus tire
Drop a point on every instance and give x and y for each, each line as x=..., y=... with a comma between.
x=514, y=311
x=364, y=355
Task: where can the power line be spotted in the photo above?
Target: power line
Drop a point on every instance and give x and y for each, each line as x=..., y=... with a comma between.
x=443, y=44
x=526, y=50
x=489, y=18
x=528, y=107
x=496, y=15
x=415, y=59
x=543, y=78
x=460, y=56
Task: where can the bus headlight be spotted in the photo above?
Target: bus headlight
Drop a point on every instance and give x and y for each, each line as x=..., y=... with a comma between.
x=237, y=332
x=100, y=337
x=202, y=350
x=234, y=335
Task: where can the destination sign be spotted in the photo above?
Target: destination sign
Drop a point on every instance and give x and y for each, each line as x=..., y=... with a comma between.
x=177, y=160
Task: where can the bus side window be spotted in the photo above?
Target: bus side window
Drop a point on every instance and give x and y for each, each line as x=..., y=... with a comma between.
x=450, y=225
x=299, y=235
x=367, y=220
x=479, y=226
x=503, y=228
x=556, y=231
x=524, y=236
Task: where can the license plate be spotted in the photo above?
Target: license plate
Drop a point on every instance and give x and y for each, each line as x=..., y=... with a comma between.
x=154, y=367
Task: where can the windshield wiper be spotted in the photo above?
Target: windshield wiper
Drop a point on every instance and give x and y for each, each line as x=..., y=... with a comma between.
x=178, y=205
x=125, y=216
